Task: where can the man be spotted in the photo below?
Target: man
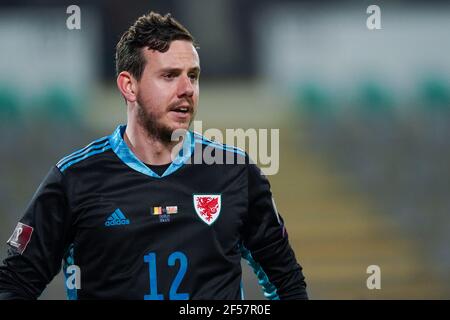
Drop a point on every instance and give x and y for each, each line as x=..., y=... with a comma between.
x=140, y=223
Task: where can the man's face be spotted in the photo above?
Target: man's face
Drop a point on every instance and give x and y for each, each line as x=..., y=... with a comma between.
x=168, y=90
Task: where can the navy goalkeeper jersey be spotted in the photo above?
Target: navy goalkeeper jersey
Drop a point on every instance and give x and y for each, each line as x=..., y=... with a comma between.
x=134, y=234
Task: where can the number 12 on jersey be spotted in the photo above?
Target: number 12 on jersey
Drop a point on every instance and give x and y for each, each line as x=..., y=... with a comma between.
x=173, y=294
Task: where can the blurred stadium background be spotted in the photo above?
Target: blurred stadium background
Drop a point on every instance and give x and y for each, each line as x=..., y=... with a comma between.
x=364, y=119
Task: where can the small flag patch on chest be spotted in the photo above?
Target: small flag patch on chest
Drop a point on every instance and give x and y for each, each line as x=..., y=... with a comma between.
x=156, y=211
x=172, y=209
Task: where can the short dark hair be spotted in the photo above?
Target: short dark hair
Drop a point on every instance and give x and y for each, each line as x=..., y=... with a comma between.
x=152, y=31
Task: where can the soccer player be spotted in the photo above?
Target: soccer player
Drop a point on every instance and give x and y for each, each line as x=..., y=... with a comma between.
x=135, y=215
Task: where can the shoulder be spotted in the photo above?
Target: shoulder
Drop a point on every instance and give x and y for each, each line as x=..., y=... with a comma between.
x=204, y=142
x=94, y=148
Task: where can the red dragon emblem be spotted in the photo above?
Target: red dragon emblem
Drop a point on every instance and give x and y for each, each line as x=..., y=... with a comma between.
x=207, y=207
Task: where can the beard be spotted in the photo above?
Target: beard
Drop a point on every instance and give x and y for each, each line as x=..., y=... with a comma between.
x=153, y=126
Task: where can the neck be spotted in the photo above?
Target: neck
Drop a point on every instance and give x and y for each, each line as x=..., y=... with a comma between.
x=148, y=149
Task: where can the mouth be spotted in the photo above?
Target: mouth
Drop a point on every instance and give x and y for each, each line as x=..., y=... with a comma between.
x=182, y=110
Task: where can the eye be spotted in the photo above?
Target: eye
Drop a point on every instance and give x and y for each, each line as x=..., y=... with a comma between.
x=194, y=76
x=169, y=76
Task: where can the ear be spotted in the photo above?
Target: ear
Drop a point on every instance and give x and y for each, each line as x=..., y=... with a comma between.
x=127, y=86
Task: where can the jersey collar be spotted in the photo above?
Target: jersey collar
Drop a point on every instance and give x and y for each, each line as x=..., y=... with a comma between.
x=124, y=153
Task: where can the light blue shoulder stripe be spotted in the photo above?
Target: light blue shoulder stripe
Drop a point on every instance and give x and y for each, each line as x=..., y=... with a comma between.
x=93, y=148
x=228, y=147
x=219, y=145
x=106, y=147
x=79, y=152
x=270, y=291
x=199, y=137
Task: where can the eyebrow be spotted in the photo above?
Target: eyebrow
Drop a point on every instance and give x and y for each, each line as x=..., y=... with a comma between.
x=179, y=70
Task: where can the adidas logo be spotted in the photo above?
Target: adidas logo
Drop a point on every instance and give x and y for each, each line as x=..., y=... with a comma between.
x=116, y=218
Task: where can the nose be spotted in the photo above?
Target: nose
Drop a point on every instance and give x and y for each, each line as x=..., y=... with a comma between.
x=185, y=87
